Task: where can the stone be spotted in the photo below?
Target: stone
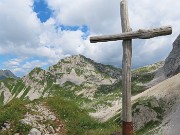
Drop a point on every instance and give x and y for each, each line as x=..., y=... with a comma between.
x=34, y=131
x=52, y=117
x=5, y=126
x=143, y=116
x=51, y=129
x=17, y=134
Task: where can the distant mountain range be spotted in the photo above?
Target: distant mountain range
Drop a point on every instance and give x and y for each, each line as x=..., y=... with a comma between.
x=7, y=73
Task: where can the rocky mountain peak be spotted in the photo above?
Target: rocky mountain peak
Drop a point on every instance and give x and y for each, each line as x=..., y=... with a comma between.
x=75, y=60
x=172, y=62
x=83, y=66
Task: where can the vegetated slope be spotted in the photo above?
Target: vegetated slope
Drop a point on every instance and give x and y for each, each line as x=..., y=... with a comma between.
x=171, y=66
x=76, y=74
x=92, y=86
x=156, y=111
x=54, y=116
x=7, y=74
x=108, y=97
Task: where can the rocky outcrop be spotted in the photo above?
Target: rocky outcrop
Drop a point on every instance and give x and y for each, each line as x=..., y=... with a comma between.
x=160, y=107
x=79, y=69
x=172, y=62
x=171, y=66
x=34, y=131
x=42, y=120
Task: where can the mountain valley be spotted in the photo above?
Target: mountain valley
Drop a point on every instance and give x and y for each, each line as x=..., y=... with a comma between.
x=78, y=96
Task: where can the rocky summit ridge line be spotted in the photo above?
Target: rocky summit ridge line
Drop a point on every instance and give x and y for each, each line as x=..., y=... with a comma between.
x=78, y=70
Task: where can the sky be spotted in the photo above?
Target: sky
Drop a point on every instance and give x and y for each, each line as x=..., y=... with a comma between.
x=38, y=33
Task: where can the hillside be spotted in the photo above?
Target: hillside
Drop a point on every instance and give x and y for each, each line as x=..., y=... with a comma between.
x=158, y=108
x=93, y=87
x=79, y=75
x=83, y=76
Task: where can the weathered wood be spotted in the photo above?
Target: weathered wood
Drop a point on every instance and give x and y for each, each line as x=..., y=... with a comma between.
x=126, y=65
x=141, y=34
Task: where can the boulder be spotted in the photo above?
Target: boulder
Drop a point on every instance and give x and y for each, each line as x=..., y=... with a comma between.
x=34, y=131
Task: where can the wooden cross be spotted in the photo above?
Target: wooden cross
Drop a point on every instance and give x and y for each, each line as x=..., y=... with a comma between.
x=127, y=36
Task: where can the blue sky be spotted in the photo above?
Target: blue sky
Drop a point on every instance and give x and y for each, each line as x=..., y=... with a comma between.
x=42, y=10
x=41, y=32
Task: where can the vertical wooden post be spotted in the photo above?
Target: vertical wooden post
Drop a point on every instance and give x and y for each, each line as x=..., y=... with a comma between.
x=127, y=125
x=127, y=36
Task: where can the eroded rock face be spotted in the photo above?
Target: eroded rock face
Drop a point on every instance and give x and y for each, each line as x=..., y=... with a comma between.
x=171, y=66
x=172, y=62
x=143, y=115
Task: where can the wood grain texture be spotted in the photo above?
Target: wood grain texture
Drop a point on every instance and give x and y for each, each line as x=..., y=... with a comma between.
x=126, y=64
x=140, y=34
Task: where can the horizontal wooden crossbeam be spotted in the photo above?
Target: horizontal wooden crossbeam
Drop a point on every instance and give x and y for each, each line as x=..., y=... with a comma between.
x=141, y=34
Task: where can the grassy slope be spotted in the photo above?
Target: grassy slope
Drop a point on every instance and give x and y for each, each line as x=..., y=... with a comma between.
x=77, y=120
x=66, y=105
x=12, y=113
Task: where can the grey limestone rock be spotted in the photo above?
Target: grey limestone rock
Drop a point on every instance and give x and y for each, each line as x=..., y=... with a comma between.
x=171, y=66
x=34, y=131
x=172, y=62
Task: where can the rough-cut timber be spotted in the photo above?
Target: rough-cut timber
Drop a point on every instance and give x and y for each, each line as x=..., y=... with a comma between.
x=126, y=72
x=141, y=34
x=127, y=36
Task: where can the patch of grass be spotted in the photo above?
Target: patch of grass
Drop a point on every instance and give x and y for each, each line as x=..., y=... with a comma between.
x=18, y=87
x=68, y=70
x=148, y=126
x=2, y=98
x=77, y=121
x=143, y=78
x=65, y=61
x=9, y=82
x=144, y=69
x=136, y=89
x=106, y=89
x=35, y=70
x=12, y=113
x=79, y=72
x=25, y=92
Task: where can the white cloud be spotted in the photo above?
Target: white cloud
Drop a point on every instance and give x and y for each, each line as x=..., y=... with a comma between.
x=32, y=64
x=22, y=66
x=22, y=33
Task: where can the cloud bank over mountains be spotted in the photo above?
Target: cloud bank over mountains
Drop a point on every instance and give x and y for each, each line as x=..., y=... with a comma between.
x=27, y=42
